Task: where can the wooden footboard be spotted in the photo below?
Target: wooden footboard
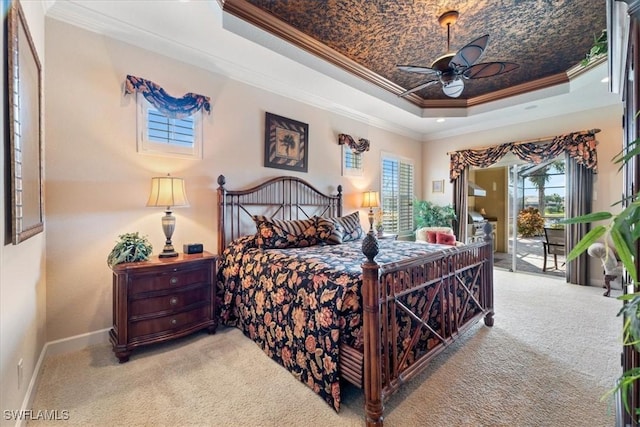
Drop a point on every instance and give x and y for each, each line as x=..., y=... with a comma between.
x=458, y=285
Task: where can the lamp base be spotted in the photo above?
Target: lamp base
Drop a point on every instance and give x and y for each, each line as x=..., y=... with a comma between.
x=168, y=253
x=168, y=225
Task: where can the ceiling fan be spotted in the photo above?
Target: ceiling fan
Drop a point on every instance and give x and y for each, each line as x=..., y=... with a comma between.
x=452, y=69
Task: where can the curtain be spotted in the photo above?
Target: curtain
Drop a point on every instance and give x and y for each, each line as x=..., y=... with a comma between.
x=175, y=108
x=357, y=147
x=460, y=197
x=481, y=158
x=578, y=202
x=580, y=146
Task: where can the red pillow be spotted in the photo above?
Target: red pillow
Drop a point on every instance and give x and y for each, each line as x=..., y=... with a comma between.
x=431, y=236
x=445, y=239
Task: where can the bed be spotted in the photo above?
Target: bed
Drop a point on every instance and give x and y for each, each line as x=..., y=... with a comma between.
x=373, y=313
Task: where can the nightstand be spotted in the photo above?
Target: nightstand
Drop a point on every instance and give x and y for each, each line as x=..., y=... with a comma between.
x=162, y=299
x=389, y=236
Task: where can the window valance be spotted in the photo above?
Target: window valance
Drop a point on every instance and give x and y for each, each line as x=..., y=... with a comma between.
x=175, y=108
x=580, y=146
x=357, y=147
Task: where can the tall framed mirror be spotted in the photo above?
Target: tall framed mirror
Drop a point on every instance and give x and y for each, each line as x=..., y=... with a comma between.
x=24, y=93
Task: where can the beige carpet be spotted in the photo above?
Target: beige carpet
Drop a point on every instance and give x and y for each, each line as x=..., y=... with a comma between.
x=553, y=352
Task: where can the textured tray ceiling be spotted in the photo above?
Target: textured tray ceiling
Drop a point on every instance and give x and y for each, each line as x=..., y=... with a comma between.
x=545, y=37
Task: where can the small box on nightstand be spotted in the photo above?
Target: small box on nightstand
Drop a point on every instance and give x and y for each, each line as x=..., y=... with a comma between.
x=192, y=248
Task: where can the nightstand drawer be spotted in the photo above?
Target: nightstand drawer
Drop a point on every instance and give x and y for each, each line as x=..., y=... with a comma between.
x=172, y=302
x=171, y=323
x=170, y=280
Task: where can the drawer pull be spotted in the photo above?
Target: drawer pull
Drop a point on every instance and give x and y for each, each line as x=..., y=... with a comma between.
x=173, y=280
x=173, y=300
x=174, y=322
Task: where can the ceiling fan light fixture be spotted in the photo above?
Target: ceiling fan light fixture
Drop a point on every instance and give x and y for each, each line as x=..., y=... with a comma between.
x=453, y=89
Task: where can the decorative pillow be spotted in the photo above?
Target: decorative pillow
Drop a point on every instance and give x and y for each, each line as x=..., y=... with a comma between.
x=431, y=236
x=352, y=230
x=445, y=239
x=279, y=234
x=328, y=231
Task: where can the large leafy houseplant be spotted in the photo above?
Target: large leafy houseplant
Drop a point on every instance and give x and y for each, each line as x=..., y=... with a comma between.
x=428, y=214
x=623, y=231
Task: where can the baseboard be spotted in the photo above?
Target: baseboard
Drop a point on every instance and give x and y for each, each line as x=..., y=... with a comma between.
x=77, y=342
x=53, y=348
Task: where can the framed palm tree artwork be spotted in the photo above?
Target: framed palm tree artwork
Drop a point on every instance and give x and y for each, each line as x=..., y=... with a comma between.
x=286, y=143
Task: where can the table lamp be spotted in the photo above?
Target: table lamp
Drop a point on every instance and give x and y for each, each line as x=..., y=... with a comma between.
x=168, y=192
x=371, y=199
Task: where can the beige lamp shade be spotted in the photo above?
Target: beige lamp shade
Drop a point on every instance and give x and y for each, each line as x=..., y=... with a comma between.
x=371, y=199
x=167, y=191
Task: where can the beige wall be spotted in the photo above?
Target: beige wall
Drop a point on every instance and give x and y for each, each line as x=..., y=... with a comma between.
x=22, y=279
x=97, y=184
x=494, y=181
x=608, y=182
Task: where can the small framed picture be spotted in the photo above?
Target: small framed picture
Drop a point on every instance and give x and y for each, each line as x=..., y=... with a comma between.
x=286, y=143
x=437, y=186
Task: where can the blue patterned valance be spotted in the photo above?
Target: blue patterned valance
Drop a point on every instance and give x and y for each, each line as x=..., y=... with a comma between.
x=175, y=108
x=357, y=147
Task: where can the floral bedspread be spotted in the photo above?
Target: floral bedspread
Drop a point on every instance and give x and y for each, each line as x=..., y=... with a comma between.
x=299, y=304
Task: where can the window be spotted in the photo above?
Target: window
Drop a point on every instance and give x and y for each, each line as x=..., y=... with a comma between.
x=397, y=184
x=159, y=134
x=351, y=162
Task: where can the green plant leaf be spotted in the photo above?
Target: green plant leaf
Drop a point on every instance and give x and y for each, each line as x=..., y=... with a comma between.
x=591, y=237
x=624, y=252
x=626, y=380
x=627, y=156
x=591, y=217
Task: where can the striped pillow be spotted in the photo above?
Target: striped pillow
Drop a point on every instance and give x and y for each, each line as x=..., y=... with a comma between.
x=279, y=234
x=352, y=230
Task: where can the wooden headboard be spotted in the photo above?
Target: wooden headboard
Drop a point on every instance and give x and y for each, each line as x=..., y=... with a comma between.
x=283, y=197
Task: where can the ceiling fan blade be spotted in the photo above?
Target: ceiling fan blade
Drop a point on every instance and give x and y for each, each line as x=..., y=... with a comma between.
x=488, y=69
x=419, y=87
x=469, y=54
x=454, y=88
x=417, y=69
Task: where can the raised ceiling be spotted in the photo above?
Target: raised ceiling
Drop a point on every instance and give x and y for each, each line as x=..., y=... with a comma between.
x=370, y=38
x=219, y=41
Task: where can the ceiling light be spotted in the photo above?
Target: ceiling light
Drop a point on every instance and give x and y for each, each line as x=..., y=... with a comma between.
x=440, y=120
x=605, y=79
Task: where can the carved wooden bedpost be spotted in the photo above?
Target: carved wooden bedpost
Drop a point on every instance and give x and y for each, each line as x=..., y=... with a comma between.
x=488, y=271
x=373, y=407
x=339, y=207
x=221, y=211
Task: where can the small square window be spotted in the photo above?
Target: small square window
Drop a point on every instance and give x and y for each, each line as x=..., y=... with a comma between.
x=352, y=164
x=162, y=135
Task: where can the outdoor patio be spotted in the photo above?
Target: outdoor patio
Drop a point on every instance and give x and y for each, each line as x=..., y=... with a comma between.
x=530, y=258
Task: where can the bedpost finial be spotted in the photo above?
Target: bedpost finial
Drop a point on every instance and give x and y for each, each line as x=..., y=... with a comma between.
x=221, y=180
x=340, y=189
x=370, y=246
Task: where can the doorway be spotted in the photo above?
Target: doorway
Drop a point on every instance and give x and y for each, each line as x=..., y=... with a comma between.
x=514, y=189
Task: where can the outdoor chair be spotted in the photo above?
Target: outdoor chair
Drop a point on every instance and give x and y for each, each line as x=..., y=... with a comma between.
x=554, y=244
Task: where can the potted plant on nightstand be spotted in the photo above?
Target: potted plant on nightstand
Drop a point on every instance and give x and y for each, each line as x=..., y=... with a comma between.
x=130, y=248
